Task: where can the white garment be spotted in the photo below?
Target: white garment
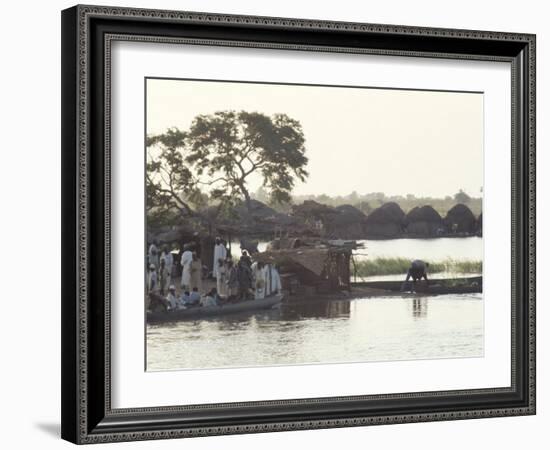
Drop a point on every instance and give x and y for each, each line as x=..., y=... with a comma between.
x=220, y=252
x=208, y=301
x=164, y=279
x=152, y=281
x=154, y=255
x=168, y=260
x=173, y=300
x=186, y=260
x=272, y=280
x=259, y=280
x=221, y=281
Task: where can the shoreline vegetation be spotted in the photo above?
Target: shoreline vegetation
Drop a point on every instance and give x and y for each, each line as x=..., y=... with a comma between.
x=396, y=266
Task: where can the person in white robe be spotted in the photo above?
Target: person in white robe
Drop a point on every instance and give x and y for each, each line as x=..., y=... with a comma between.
x=196, y=272
x=210, y=299
x=259, y=279
x=220, y=252
x=221, y=278
x=153, y=255
x=168, y=259
x=272, y=280
x=163, y=277
x=152, y=285
x=172, y=298
x=186, y=260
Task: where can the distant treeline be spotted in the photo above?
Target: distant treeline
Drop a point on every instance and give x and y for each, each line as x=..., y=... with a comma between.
x=368, y=202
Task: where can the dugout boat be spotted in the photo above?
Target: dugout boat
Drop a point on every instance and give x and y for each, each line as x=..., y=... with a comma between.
x=467, y=285
x=201, y=312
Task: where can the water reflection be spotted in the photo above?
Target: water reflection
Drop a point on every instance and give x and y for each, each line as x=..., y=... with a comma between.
x=373, y=329
x=315, y=309
x=419, y=307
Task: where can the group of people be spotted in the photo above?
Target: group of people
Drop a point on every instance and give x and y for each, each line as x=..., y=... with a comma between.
x=236, y=281
x=161, y=266
x=245, y=279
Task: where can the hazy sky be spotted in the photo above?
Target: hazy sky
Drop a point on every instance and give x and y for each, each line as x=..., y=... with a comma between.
x=364, y=140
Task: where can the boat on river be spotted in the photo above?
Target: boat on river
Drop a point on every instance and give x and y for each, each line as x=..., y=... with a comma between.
x=467, y=285
x=201, y=312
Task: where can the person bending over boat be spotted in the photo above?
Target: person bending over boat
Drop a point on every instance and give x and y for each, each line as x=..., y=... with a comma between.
x=416, y=271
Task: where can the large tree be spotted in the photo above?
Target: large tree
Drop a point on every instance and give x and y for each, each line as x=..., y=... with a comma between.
x=170, y=183
x=228, y=147
x=219, y=154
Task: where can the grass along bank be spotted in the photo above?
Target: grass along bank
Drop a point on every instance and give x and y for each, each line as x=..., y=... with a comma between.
x=395, y=266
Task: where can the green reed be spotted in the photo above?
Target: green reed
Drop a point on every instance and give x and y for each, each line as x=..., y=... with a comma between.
x=394, y=266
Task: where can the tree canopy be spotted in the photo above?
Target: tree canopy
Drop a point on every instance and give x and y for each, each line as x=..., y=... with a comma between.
x=215, y=159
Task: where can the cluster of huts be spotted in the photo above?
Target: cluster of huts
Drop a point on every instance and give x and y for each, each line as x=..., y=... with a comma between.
x=387, y=221
x=313, y=219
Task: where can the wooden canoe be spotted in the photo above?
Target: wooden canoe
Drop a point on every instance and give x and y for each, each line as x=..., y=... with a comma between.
x=466, y=285
x=200, y=312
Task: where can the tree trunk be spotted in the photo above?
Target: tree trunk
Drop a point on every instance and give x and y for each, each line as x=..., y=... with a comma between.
x=247, y=200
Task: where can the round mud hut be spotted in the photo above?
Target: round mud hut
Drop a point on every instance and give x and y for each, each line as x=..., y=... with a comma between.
x=315, y=215
x=260, y=219
x=387, y=221
x=342, y=222
x=424, y=221
x=349, y=223
x=460, y=219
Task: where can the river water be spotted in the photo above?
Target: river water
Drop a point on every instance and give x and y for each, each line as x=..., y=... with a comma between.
x=437, y=249
x=359, y=330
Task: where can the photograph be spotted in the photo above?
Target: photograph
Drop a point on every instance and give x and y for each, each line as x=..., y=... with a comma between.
x=292, y=224
x=273, y=223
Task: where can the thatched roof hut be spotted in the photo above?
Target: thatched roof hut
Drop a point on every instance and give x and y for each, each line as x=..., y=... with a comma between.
x=322, y=267
x=460, y=219
x=344, y=222
x=259, y=220
x=386, y=221
x=312, y=209
x=349, y=223
x=423, y=221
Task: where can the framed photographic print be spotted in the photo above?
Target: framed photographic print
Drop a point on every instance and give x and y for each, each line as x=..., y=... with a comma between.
x=280, y=224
